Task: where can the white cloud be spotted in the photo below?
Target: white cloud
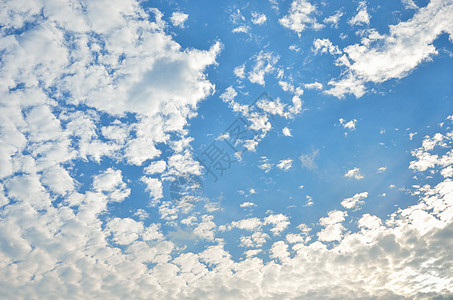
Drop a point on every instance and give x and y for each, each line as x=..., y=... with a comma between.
x=354, y=173
x=300, y=16
x=178, y=19
x=285, y=164
x=247, y=204
x=409, y=4
x=314, y=85
x=350, y=125
x=279, y=221
x=258, y=18
x=247, y=224
x=239, y=71
x=362, y=17
x=111, y=182
x=308, y=160
x=382, y=169
x=333, y=230
x=124, y=231
x=325, y=46
x=264, y=64
x=265, y=164
x=354, y=201
x=241, y=29
x=392, y=56
x=333, y=19
x=154, y=187
x=257, y=240
x=286, y=131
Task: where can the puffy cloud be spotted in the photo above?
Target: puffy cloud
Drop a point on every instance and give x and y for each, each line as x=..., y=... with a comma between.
x=247, y=204
x=258, y=18
x=325, y=46
x=300, y=15
x=314, y=85
x=354, y=201
x=286, y=131
x=348, y=125
x=333, y=19
x=362, y=17
x=279, y=221
x=178, y=19
x=285, y=164
x=354, y=173
x=333, y=230
x=392, y=56
x=264, y=64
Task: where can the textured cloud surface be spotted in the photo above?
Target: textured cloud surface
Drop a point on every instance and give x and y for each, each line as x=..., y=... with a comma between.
x=96, y=100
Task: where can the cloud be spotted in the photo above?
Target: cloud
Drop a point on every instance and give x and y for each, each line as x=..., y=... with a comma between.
x=354, y=173
x=314, y=85
x=300, y=16
x=382, y=169
x=286, y=131
x=264, y=64
x=178, y=19
x=285, y=164
x=362, y=17
x=333, y=230
x=380, y=58
x=325, y=46
x=308, y=160
x=247, y=204
x=354, y=201
x=258, y=18
x=265, y=164
x=333, y=19
x=350, y=125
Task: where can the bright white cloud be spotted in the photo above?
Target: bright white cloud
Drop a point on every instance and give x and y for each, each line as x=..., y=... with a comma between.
x=362, y=17
x=258, y=18
x=383, y=57
x=178, y=19
x=286, y=131
x=264, y=64
x=354, y=173
x=300, y=16
x=285, y=164
x=354, y=201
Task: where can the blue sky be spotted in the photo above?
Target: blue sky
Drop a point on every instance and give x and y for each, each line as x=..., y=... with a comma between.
x=226, y=149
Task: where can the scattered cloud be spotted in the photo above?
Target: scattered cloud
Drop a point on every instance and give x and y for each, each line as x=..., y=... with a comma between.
x=362, y=17
x=286, y=131
x=258, y=18
x=178, y=19
x=285, y=164
x=300, y=16
x=354, y=201
x=394, y=55
x=308, y=160
x=354, y=173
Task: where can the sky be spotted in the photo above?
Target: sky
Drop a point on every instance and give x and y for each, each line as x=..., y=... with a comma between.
x=201, y=149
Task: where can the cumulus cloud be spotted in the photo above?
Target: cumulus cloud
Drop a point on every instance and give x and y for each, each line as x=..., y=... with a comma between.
x=258, y=18
x=379, y=58
x=178, y=19
x=362, y=17
x=59, y=237
x=300, y=16
x=354, y=201
x=285, y=164
x=354, y=173
x=264, y=64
